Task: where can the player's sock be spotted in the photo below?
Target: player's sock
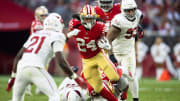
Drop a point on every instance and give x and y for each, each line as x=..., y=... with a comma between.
x=135, y=99
x=108, y=95
x=124, y=96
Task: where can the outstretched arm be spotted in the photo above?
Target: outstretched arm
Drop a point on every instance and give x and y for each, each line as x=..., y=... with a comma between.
x=17, y=58
x=112, y=34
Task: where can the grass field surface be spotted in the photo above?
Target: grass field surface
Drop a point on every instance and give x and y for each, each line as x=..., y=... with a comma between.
x=150, y=90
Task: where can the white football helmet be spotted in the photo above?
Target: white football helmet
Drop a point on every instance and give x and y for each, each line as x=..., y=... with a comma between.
x=60, y=19
x=88, y=16
x=128, y=8
x=53, y=23
x=74, y=96
x=106, y=5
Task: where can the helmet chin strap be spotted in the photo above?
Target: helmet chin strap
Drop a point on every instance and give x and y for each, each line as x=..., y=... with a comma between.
x=88, y=25
x=130, y=18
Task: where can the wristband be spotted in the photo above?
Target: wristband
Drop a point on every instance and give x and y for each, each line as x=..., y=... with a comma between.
x=74, y=76
x=13, y=74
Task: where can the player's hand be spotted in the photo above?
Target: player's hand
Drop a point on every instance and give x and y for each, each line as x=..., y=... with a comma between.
x=113, y=59
x=79, y=81
x=140, y=32
x=73, y=33
x=104, y=43
x=11, y=82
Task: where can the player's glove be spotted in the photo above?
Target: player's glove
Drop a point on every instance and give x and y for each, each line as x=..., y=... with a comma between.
x=104, y=43
x=140, y=32
x=113, y=59
x=11, y=82
x=73, y=33
x=79, y=81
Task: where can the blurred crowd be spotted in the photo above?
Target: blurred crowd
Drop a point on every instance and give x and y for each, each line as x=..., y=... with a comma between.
x=160, y=16
x=161, y=24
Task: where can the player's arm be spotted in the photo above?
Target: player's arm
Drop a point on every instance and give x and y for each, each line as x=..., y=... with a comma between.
x=140, y=28
x=14, y=69
x=112, y=34
x=73, y=25
x=17, y=58
x=61, y=61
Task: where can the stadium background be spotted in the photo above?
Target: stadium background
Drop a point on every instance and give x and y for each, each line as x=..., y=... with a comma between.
x=16, y=17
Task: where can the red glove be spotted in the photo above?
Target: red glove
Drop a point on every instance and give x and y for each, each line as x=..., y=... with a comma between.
x=79, y=81
x=141, y=34
x=10, y=84
x=124, y=96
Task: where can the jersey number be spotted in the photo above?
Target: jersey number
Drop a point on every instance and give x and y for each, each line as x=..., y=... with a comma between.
x=81, y=43
x=131, y=33
x=35, y=41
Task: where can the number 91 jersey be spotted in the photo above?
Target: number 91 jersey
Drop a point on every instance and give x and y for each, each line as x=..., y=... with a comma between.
x=125, y=41
x=87, y=39
x=38, y=48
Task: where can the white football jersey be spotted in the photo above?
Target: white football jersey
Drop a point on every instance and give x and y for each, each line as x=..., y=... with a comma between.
x=39, y=50
x=70, y=85
x=125, y=41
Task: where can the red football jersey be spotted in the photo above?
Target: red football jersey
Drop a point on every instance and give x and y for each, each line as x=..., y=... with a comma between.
x=108, y=16
x=87, y=39
x=35, y=26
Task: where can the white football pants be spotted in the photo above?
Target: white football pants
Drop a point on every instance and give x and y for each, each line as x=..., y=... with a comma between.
x=38, y=76
x=129, y=61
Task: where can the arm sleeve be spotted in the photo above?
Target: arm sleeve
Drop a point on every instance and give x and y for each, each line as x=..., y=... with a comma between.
x=58, y=46
x=116, y=22
x=58, y=42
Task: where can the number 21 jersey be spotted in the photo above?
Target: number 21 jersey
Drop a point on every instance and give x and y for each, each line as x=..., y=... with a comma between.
x=38, y=48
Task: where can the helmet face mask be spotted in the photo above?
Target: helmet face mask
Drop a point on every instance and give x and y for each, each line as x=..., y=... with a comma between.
x=106, y=5
x=41, y=13
x=128, y=9
x=88, y=16
x=130, y=13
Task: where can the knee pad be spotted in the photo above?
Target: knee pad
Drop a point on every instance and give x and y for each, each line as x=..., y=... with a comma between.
x=123, y=82
x=74, y=95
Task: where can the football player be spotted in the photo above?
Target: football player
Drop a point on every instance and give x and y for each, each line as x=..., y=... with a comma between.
x=30, y=62
x=106, y=10
x=88, y=32
x=41, y=13
x=122, y=37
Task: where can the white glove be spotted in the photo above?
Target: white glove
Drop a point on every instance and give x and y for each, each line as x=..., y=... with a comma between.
x=73, y=33
x=104, y=43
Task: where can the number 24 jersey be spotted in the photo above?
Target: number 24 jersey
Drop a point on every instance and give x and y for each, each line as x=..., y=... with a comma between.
x=87, y=39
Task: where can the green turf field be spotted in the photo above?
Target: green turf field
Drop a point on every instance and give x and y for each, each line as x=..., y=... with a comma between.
x=150, y=90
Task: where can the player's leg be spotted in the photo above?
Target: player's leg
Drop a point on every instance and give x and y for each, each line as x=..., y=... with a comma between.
x=42, y=79
x=129, y=61
x=38, y=91
x=107, y=66
x=28, y=90
x=21, y=82
x=92, y=75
